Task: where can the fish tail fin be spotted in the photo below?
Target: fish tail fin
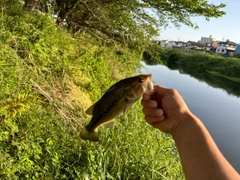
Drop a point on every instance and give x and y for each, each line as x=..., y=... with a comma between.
x=86, y=135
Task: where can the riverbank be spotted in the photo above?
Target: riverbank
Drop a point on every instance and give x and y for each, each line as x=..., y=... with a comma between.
x=47, y=81
x=225, y=67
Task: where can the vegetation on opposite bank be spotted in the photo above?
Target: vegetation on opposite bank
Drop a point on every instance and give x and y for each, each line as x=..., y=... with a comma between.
x=216, y=65
x=47, y=80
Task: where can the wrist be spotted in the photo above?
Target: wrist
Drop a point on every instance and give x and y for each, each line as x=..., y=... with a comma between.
x=188, y=123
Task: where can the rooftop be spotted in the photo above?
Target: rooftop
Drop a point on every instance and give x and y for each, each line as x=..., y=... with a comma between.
x=227, y=42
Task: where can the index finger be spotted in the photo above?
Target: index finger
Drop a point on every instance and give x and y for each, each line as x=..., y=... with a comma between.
x=160, y=90
x=146, y=96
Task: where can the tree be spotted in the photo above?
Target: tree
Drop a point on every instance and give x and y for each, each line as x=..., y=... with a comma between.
x=130, y=20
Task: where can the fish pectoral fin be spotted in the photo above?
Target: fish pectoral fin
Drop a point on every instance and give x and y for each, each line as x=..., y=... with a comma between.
x=128, y=104
x=89, y=111
x=109, y=124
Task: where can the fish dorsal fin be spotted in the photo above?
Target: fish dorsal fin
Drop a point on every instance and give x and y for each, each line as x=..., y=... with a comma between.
x=119, y=86
x=89, y=111
x=109, y=124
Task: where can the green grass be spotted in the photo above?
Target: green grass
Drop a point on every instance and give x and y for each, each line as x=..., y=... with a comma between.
x=47, y=81
x=132, y=150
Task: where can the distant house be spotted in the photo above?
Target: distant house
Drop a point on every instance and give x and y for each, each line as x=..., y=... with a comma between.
x=226, y=48
x=237, y=50
x=167, y=44
x=205, y=40
x=155, y=41
x=179, y=44
x=194, y=45
x=210, y=47
x=163, y=42
x=170, y=44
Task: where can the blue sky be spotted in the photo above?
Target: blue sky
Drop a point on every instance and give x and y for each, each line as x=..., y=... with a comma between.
x=223, y=28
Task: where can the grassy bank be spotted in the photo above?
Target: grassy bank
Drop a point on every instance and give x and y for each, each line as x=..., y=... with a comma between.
x=47, y=80
x=216, y=65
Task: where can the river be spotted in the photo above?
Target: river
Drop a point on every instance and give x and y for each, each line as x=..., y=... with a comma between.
x=218, y=108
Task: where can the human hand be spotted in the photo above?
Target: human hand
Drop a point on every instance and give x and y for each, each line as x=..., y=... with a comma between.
x=165, y=110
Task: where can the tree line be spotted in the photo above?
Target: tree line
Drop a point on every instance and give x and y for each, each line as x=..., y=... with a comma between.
x=123, y=20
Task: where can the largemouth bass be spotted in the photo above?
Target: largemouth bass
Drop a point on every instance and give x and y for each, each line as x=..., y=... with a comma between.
x=115, y=101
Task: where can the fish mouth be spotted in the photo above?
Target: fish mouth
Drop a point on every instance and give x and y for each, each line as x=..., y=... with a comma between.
x=149, y=91
x=148, y=87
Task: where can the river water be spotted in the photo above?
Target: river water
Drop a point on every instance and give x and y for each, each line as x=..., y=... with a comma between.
x=218, y=108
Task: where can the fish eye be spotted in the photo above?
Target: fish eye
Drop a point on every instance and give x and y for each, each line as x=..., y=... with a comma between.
x=140, y=80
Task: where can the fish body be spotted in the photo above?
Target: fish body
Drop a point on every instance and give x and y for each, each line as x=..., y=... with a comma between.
x=115, y=101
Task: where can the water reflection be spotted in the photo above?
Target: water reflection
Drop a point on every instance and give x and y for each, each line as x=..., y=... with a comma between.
x=218, y=108
x=231, y=87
